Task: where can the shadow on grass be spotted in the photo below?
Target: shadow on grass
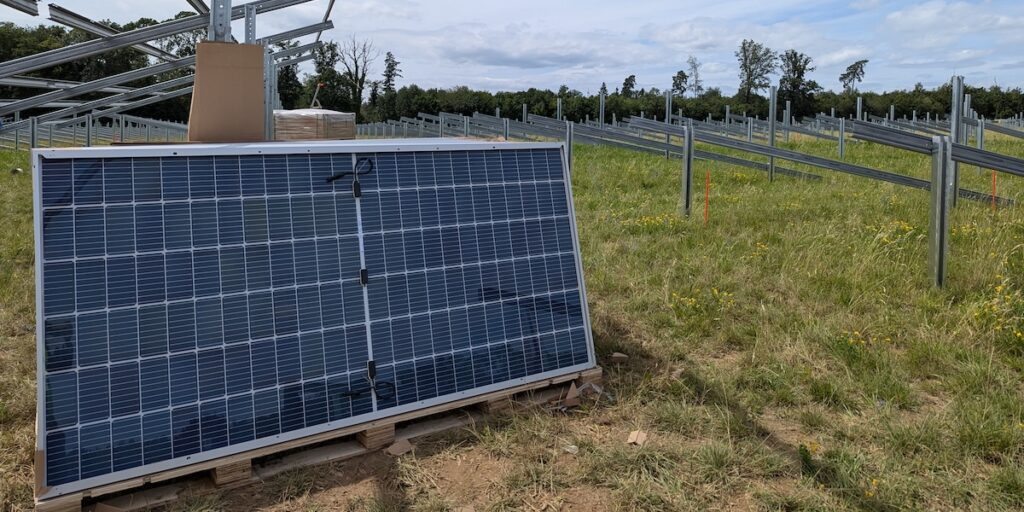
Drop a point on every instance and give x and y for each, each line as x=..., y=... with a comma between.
x=836, y=471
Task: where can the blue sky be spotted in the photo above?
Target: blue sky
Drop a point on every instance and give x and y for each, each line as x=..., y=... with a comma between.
x=531, y=43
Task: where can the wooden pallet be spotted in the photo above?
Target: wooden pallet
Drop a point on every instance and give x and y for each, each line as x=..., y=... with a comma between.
x=166, y=487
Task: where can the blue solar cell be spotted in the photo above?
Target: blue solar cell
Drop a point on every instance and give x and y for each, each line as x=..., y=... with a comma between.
x=179, y=279
x=93, y=394
x=184, y=379
x=232, y=269
x=213, y=416
x=209, y=323
x=147, y=185
x=237, y=369
x=228, y=175
x=156, y=437
x=88, y=178
x=149, y=227
x=256, y=262
x=119, y=222
x=206, y=272
x=57, y=183
x=151, y=269
x=204, y=224
x=230, y=222
x=267, y=413
x=174, y=179
x=58, y=234
x=241, y=428
x=211, y=373
x=123, y=334
x=154, y=384
x=186, y=433
x=126, y=434
x=124, y=389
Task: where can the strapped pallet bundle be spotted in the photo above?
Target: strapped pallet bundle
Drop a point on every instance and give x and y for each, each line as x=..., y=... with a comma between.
x=314, y=124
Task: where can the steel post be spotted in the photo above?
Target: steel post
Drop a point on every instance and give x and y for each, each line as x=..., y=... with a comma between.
x=88, y=130
x=842, y=139
x=120, y=125
x=956, y=123
x=788, y=121
x=526, y=113
x=942, y=191
x=892, y=113
x=688, y=150
x=860, y=108
x=773, y=99
x=49, y=129
x=465, y=126
x=33, y=132
x=965, y=113
x=569, y=130
x=558, y=110
x=504, y=129
x=728, y=116
x=750, y=130
x=220, y=21
x=600, y=110
x=668, y=107
x=268, y=92
x=250, y=23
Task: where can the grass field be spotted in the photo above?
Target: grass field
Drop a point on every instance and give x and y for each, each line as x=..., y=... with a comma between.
x=789, y=354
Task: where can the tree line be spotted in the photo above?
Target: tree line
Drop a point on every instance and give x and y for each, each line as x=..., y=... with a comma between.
x=343, y=79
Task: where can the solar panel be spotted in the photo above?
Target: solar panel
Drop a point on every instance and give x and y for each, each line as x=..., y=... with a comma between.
x=200, y=301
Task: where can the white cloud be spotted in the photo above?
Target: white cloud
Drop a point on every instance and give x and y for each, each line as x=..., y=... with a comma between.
x=536, y=43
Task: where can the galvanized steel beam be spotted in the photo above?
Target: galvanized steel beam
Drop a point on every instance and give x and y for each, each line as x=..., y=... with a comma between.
x=29, y=7
x=72, y=19
x=97, y=46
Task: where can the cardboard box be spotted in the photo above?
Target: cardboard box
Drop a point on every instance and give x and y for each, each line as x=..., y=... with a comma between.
x=228, y=98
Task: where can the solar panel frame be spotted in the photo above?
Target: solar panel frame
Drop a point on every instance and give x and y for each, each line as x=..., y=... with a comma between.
x=192, y=413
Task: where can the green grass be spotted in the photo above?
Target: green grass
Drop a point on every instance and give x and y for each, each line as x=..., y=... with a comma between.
x=788, y=354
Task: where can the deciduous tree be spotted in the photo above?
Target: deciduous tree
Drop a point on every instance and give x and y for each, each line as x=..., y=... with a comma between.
x=757, y=62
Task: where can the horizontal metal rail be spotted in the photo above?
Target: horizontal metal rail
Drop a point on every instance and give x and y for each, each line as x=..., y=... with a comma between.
x=99, y=84
x=29, y=7
x=72, y=19
x=627, y=138
x=135, y=75
x=31, y=82
x=142, y=103
x=921, y=144
x=815, y=161
x=92, y=105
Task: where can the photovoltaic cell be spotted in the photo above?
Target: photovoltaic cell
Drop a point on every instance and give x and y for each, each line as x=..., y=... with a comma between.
x=203, y=303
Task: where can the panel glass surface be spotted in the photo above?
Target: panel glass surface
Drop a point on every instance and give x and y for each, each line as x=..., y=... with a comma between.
x=195, y=304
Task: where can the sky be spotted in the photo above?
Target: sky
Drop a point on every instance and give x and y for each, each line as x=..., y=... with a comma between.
x=513, y=45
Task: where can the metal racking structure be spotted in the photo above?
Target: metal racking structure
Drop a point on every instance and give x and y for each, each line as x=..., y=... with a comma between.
x=61, y=125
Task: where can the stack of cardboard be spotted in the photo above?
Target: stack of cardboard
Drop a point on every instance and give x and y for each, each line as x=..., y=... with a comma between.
x=227, y=100
x=314, y=124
